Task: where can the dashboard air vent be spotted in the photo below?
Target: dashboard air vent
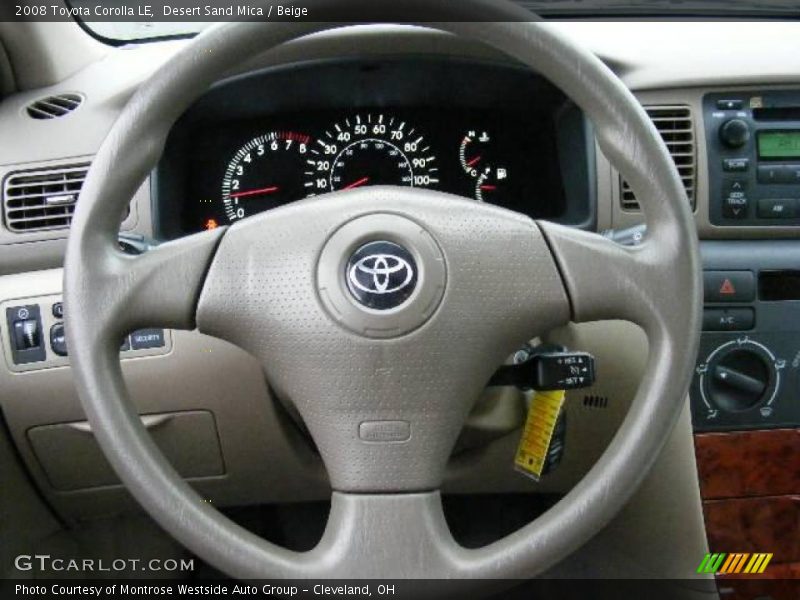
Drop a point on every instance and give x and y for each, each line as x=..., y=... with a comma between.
x=676, y=127
x=54, y=106
x=42, y=199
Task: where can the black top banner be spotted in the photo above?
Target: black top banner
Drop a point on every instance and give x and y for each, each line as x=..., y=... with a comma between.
x=199, y=11
x=395, y=11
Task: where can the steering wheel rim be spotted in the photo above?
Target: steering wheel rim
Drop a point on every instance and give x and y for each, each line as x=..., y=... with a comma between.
x=656, y=285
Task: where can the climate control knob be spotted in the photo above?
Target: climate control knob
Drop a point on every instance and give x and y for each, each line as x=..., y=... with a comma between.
x=740, y=375
x=734, y=133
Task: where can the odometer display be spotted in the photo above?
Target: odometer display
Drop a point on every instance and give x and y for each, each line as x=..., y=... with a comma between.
x=371, y=149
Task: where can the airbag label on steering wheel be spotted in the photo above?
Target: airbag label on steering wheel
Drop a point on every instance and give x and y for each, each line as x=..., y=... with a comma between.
x=533, y=447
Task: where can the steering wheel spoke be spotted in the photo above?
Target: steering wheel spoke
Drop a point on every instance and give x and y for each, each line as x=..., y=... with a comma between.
x=159, y=288
x=403, y=534
x=605, y=280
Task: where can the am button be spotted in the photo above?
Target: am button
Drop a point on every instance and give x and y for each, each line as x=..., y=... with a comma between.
x=777, y=208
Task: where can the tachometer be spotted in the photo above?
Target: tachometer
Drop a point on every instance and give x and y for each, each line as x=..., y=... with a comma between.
x=265, y=173
x=373, y=149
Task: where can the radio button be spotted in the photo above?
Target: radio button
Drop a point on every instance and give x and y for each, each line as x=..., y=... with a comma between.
x=734, y=200
x=735, y=165
x=770, y=174
x=777, y=208
x=792, y=173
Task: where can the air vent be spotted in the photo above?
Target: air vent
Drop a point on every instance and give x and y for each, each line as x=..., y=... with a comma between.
x=675, y=125
x=54, y=106
x=42, y=199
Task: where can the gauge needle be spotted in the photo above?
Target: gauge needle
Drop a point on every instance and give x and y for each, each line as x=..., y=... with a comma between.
x=473, y=161
x=258, y=192
x=355, y=184
x=489, y=188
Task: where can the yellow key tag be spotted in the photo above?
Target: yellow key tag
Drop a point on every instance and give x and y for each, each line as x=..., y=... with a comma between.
x=538, y=432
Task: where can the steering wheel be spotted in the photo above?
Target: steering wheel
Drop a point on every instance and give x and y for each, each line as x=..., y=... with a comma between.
x=385, y=376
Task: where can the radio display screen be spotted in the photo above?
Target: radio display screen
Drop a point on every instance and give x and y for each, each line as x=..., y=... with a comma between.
x=779, y=144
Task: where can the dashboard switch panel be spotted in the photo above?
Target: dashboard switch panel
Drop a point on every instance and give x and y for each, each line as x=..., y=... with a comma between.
x=36, y=338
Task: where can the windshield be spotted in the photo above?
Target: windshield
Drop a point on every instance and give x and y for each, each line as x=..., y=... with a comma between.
x=125, y=29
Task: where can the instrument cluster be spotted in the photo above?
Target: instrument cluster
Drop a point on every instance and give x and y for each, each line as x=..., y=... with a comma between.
x=238, y=168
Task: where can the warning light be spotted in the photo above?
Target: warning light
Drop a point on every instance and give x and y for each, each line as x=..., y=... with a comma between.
x=727, y=288
x=211, y=224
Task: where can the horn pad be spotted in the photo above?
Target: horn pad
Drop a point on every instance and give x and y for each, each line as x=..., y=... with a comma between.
x=381, y=275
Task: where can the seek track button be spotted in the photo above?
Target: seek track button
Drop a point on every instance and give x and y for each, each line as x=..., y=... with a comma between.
x=734, y=200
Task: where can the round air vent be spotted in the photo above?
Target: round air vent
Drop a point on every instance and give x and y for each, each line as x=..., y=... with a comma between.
x=54, y=106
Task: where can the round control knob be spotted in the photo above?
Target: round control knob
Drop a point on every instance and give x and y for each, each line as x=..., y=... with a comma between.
x=734, y=133
x=740, y=375
x=738, y=380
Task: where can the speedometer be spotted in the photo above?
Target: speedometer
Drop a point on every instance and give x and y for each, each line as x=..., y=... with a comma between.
x=371, y=149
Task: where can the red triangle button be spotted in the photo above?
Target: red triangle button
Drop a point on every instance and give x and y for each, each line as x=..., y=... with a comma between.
x=727, y=289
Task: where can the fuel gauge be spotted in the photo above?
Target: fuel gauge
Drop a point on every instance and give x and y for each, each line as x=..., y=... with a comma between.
x=489, y=182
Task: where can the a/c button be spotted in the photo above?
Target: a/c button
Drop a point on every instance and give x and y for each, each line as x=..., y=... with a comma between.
x=728, y=319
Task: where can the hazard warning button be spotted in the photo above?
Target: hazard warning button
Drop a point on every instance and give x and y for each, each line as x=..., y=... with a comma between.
x=729, y=286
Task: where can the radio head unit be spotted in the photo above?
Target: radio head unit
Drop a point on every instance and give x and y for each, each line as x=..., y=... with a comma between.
x=753, y=142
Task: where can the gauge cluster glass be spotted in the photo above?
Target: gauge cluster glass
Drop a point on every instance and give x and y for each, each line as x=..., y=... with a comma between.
x=236, y=169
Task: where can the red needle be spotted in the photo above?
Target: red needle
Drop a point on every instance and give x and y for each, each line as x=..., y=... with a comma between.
x=489, y=188
x=266, y=190
x=473, y=161
x=355, y=184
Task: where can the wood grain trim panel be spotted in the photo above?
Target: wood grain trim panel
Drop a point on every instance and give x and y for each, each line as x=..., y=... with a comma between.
x=748, y=463
x=755, y=525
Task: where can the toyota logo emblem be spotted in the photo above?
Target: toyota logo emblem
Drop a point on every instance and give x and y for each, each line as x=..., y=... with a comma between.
x=381, y=275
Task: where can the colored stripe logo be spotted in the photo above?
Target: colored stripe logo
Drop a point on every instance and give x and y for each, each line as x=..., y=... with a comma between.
x=721, y=563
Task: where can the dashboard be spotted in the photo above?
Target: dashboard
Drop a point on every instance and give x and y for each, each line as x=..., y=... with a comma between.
x=259, y=142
